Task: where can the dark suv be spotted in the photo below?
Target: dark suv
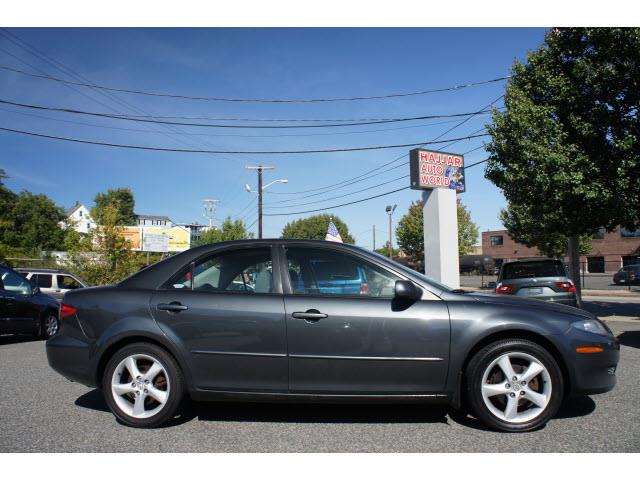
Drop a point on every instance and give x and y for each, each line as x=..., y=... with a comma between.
x=544, y=279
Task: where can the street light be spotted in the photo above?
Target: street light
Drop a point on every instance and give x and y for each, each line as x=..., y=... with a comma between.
x=390, y=211
x=261, y=188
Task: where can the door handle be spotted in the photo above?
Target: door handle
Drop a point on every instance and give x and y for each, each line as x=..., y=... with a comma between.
x=172, y=307
x=311, y=315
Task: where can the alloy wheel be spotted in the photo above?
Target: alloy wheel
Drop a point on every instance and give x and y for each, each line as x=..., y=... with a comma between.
x=516, y=387
x=140, y=386
x=51, y=325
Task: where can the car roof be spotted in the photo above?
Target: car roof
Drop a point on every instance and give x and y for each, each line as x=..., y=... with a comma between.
x=533, y=260
x=42, y=270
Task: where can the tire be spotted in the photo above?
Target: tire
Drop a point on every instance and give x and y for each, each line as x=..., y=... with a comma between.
x=492, y=396
x=49, y=325
x=149, y=398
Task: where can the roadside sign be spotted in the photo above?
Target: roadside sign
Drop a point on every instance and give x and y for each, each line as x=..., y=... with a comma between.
x=152, y=242
x=432, y=169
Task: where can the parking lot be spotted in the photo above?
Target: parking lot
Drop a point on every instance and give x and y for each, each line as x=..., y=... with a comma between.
x=42, y=412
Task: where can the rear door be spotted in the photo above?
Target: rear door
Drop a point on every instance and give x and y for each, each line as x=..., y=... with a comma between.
x=226, y=310
x=348, y=335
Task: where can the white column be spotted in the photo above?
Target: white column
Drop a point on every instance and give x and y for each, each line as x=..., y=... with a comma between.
x=440, y=218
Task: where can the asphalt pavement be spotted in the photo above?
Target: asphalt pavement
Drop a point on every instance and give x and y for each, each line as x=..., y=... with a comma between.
x=40, y=411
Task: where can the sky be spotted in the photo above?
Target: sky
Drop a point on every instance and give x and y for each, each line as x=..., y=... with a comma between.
x=251, y=63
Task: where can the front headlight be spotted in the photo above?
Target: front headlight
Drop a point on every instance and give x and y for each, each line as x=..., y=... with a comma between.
x=592, y=326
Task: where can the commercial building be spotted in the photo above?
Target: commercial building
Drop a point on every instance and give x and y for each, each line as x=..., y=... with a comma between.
x=609, y=250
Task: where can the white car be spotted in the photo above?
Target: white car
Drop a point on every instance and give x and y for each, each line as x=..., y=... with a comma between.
x=51, y=281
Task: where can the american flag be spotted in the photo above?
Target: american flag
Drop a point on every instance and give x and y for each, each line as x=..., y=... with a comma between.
x=333, y=235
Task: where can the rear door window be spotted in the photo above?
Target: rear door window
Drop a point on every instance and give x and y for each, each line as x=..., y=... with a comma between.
x=42, y=280
x=513, y=271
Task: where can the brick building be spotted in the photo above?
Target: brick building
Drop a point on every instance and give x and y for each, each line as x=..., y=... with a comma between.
x=609, y=250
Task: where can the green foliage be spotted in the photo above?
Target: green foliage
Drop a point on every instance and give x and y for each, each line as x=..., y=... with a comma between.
x=549, y=243
x=315, y=228
x=384, y=250
x=122, y=199
x=566, y=152
x=29, y=222
x=103, y=256
x=230, y=230
x=410, y=231
x=467, y=230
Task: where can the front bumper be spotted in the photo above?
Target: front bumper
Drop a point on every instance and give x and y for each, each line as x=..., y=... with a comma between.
x=593, y=373
x=71, y=358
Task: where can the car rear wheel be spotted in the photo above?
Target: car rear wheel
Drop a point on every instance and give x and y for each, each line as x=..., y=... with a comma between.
x=514, y=385
x=143, y=385
x=49, y=326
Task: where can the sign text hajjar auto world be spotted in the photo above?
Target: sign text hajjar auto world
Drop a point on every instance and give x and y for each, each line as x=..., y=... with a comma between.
x=431, y=169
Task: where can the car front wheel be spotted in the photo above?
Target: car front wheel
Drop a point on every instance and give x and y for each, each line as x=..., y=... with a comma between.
x=514, y=385
x=143, y=385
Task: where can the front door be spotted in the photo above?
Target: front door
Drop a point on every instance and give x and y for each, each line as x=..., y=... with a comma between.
x=347, y=334
x=227, y=312
x=17, y=312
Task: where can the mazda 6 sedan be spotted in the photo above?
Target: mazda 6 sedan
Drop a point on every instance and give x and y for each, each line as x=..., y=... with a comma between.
x=302, y=320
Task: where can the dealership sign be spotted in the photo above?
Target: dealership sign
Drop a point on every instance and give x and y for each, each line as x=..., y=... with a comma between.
x=430, y=169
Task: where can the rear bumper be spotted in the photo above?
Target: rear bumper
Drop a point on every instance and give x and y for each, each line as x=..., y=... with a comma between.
x=71, y=358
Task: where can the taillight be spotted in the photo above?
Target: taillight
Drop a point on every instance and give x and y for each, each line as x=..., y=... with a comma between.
x=66, y=310
x=504, y=288
x=566, y=286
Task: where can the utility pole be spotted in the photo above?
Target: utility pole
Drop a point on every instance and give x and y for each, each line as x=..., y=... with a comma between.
x=390, y=211
x=374, y=238
x=210, y=209
x=259, y=168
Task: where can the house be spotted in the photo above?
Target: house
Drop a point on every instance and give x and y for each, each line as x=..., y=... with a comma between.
x=79, y=218
x=153, y=221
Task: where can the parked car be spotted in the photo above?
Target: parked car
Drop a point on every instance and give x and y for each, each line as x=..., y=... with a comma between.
x=544, y=279
x=53, y=282
x=182, y=327
x=628, y=275
x=23, y=308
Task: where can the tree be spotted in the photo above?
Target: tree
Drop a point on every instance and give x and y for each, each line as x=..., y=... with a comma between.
x=32, y=223
x=122, y=199
x=410, y=231
x=467, y=230
x=566, y=151
x=7, y=199
x=104, y=256
x=550, y=244
x=315, y=228
x=384, y=250
x=230, y=230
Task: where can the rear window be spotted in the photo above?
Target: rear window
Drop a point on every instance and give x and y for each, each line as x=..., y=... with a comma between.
x=532, y=269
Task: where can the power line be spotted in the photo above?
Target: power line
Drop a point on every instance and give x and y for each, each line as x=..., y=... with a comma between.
x=366, y=174
x=230, y=152
x=147, y=130
x=224, y=125
x=253, y=100
x=357, y=201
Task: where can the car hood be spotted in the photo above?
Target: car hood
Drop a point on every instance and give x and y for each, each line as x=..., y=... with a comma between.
x=536, y=304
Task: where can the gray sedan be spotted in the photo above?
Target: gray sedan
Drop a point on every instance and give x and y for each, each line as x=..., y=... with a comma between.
x=320, y=321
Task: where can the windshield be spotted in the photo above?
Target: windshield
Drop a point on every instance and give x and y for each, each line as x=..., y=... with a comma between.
x=532, y=269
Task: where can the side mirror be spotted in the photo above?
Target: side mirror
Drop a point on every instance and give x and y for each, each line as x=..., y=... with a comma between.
x=407, y=290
